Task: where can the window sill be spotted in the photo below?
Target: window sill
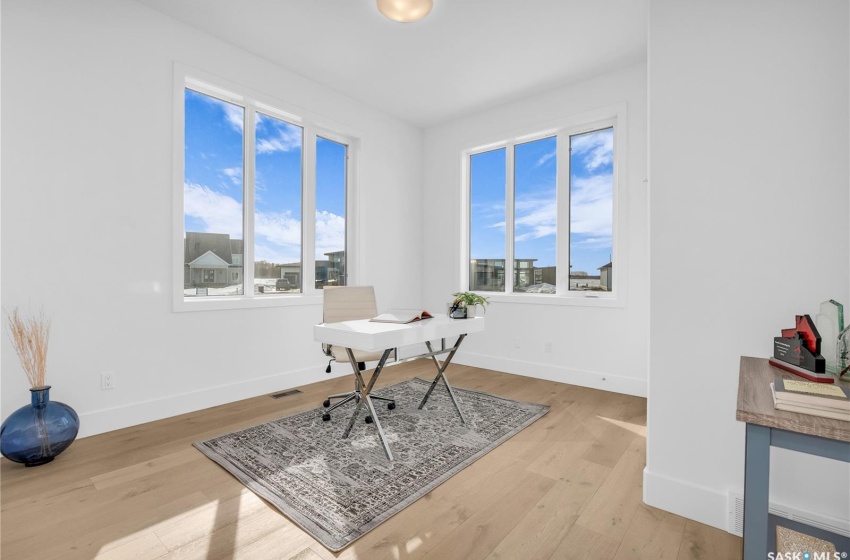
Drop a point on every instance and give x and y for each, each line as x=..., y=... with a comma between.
x=606, y=300
x=213, y=303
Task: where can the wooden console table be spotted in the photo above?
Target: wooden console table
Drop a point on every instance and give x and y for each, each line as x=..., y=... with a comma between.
x=767, y=426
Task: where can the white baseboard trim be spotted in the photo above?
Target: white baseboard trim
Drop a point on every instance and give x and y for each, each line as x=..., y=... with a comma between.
x=591, y=379
x=811, y=518
x=686, y=499
x=713, y=508
x=109, y=419
x=115, y=418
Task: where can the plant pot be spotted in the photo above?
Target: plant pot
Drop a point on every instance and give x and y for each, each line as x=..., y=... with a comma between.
x=35, y=434
x=457, y=313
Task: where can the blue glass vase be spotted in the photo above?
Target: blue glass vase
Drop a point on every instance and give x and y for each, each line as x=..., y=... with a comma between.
x=35, y=434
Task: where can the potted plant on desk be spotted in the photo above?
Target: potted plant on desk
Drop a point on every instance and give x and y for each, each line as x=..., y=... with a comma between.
x=465, y=305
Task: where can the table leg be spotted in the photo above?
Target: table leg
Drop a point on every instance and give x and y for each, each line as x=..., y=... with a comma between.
x=441, y=368
x=366, y=390
x=756, y=489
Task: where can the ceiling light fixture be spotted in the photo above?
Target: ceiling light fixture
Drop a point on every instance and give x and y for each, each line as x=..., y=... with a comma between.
x=405, y=11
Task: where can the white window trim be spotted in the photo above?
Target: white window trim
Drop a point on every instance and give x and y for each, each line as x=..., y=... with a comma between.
x=615, y=116
x=313, y=125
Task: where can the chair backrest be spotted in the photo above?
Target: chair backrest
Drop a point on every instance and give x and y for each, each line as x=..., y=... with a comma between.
x=347, y=303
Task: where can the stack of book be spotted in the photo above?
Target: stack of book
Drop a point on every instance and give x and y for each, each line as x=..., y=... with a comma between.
x=829, y=401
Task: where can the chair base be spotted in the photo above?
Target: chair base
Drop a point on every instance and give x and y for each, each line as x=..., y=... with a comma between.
x=355, y=396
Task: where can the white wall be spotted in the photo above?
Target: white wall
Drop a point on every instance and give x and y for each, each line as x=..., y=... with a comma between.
x=592, y=346
x=86, y=217
x=749, y=196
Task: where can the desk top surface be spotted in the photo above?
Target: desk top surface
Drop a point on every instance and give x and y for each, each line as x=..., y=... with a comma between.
x=755, y=404
x=370, y=336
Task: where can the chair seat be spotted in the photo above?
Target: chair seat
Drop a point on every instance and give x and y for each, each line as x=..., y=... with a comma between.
x=340, y=355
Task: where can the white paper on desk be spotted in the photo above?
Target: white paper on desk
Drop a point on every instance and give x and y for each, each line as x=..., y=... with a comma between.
x=401, y=316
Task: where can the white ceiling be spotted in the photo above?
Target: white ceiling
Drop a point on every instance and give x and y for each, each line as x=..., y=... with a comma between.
x=465, y=56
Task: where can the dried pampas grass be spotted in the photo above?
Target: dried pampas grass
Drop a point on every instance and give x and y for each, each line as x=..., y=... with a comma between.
x=29, y=336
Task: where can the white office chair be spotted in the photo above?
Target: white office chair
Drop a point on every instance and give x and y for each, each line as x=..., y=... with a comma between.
x=348, y=303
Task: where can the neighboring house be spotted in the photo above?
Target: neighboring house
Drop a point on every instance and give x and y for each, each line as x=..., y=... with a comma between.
x=489, y=274
x=606, y=275
x=211, y=260
x=335, y=275
x=292, y=272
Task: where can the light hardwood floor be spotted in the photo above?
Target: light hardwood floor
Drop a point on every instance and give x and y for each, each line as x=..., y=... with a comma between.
x=568, y=486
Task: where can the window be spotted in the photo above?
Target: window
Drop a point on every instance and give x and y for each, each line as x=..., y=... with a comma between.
x=331, y=158
x=543, y=213
x=245, y=193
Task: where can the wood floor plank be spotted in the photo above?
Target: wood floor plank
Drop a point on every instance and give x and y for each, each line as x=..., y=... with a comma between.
x=652, y=534
x=478, y=535
x=128, y=526
x=611, y=509
x=539, y=533
x=127, y=475
x=701, y=542
x=584, y=544
x=146, y=547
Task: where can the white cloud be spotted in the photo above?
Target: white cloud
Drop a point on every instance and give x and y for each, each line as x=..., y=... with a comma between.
x=483, y=213
x=596, y=147
x=218, y=212
x=536, y=223
x=235, y=174
x=593, y=243
x=591, y=211
x=536, y=217
x=234, y=115
x=330, y=233
x=591, y=206
x=283, y=137
x=544, y=158
x=278, y=235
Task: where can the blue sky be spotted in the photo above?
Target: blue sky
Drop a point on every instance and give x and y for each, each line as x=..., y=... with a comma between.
x=535, y=202
x=214, y=171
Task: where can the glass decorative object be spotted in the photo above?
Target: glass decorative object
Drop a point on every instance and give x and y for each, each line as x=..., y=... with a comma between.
x=830, y=322
x=35, y=434
x=842, y=352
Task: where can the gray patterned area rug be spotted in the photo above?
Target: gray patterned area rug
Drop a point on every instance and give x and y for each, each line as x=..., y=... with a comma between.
x=339, y=489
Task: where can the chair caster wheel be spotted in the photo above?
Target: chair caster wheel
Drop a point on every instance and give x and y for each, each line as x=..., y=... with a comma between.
x=391, y=406
x=327, y=403
x=368, y=419
x=326, y=417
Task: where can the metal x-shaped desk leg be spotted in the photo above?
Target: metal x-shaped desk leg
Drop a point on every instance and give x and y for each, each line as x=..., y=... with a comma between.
x=366, y=390
x=441, y=368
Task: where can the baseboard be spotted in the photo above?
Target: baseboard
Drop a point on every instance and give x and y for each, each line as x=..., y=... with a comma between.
x=591, y=379
x=724, y=510
x=109, y=419
x=811, y=518
x=686, y=499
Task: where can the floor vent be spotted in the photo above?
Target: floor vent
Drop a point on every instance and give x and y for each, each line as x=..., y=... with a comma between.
x=284, y=394
x=735, y=509
x=735, y=518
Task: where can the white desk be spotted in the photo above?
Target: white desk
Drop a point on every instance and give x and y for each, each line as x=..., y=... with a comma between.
x=372, y=336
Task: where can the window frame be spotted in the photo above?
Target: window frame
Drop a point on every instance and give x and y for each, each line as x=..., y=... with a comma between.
x=313, y=126
x=613, y=116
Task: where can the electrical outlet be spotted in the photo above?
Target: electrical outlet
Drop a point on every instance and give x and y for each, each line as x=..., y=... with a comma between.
x=107, y=380
x=547, y=346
